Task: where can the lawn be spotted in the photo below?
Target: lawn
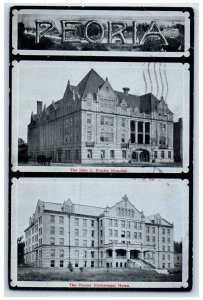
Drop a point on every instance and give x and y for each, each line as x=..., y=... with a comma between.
x=96, y=275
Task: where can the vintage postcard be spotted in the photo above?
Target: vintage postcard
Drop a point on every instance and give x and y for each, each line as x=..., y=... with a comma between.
x=78, y=233
x=100, y=116
x=101, y=31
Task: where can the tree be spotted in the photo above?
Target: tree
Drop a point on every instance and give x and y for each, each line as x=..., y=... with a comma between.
x=21, y=246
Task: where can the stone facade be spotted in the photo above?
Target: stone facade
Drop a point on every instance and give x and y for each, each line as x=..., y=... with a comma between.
x=93, y=123
x=85, y=236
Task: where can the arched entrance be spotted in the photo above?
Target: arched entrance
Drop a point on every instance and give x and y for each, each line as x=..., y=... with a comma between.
x=140, y=155
x=134, y=254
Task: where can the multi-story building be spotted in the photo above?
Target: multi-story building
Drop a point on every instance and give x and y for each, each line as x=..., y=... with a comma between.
x=93, y=123
x=87, y=236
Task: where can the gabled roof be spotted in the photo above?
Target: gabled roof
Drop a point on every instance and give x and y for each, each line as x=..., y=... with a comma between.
x=89, y=84
x=132, y=100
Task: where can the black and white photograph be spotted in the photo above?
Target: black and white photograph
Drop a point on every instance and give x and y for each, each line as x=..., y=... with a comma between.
x=100, y=116
x=88, y=233
x=129, y=32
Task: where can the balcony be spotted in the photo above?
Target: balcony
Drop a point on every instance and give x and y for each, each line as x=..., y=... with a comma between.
x=163, y=146
x=124, y=145
x=90, y=144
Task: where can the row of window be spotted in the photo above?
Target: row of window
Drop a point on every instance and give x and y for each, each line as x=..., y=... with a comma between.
x=105, y=120
x=76, y=264
x=150, y=229
x=103, y=154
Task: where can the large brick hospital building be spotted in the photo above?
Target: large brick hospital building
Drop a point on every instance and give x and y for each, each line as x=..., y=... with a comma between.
x=121, y=236
x=93, y=123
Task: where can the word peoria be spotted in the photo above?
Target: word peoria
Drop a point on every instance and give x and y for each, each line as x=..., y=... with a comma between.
x=45, y=26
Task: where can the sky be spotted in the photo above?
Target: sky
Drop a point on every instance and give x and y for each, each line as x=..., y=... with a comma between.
x=46, y=81
x=169, y=198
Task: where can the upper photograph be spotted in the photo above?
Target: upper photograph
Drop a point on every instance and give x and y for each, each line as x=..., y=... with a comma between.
x=104, y=117
x=102, y=31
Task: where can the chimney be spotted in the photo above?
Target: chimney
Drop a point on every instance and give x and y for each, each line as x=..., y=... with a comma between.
x=39, y=107
x=126, y=90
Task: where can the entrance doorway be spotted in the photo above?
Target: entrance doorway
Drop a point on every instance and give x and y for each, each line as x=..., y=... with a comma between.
x=134, y=254
x=140, y=155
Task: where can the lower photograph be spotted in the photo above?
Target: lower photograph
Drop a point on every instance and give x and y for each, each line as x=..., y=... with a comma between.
x=100, y=233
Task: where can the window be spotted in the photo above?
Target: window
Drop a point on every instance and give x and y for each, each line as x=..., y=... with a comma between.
x=76, y=264
x=163, y=256
x=102, y=154
x=92, y=254
x=52, y=264
x=169, y=154
x=153, y=229
x=168, y=231
x=110, y=222
x=89, y=153
x=155, y=154
x=169, y=257
x=135, y=235
x=76, y=232
x=115, y=233
x=76, y=222
x=61, y=253
x=61, y=220
x=163, y=230
x=92, y=264
x=101, y=254
x=85, y=243
x=61, y=230
x=153, y=238
x=92, y=233
x=135, y=225
x=85, y=254
x=52, y=252
x=105, y=120
x=32, y=230
x=101, y=223
x=115, y=223
x=139, y=235
x=163, y=239
x=101, y=233
x=139, y=226
x=76, y=242
x=61, y=263
x=76, y=154
x=162, y=154
x=124, y=154
x=61, y=241
x=76, y=253
x=147, y=133
x=52, y=219
x=128, y=224
x=168, y=248
x=128, y=234
x=123, y=122
x=110, y=232
x=52, y=230
x=92, y=223
x=168, y=240
x=84, y=232
x=92, y=243
x=89, y=119
x=140, y=132
x=89, y=136
x=123, y=138
x=107, y=137
x=147, y=229
x=147, y=238
x=122, y=224
x=122, y=233
x=40, y=220
x=36, y=227
x=84, y=222
x=163, y=247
